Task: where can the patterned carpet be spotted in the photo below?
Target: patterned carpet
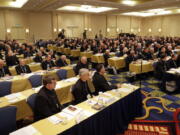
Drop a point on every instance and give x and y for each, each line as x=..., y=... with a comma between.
x=158, y=106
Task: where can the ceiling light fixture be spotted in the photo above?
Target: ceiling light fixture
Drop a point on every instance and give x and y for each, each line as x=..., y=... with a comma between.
x=85, y=8
x=129, y=2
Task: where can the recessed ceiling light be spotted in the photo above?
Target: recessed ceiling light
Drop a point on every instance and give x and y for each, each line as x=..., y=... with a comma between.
x=129, y=2
x=86, y=8
x=17, y=3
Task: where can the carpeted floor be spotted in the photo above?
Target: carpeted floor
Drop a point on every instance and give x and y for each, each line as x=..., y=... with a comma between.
x=158, y=106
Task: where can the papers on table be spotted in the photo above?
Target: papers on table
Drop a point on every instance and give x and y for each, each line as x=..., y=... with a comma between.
x=37, y=89
x=14, y=97
x=174, y=70
x=55, y=120
x=124, y=90
x=73, y=79
x=65, y=115
x=7, y=78
x=29, y=130
x=72, y=110
x=58, y=86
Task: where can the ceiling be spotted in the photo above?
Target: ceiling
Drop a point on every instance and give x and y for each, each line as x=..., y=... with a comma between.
x=119, y=6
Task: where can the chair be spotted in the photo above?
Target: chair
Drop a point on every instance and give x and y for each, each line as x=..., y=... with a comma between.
x=31, y=101
x=62, y=74
x=5, y=88
x=35, y=80
x=7, y=119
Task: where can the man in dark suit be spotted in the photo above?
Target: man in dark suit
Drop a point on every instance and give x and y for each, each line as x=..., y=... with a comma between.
x=100, y=82
x=48, y=63
x=11, y=59
x=81, y=64
x=4, y=71
x=46, y=102
x=22, y=68
x=106, y=57
x=81, y=89
x=28, y=53
x=172, y=63
x=161, y=67
x=131, y=57
x=61, y=62
x=38, y=57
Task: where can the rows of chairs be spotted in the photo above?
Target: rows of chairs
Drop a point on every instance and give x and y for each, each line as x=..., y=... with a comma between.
x=35, y=80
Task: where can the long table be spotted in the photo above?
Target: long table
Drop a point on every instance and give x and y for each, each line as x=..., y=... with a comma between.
x=21, y=82
x=113, y=119
x=19, y=99
x=117, y=62
x=147, y=66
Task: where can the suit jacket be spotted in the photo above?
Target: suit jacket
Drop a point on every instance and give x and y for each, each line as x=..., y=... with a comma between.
x=46, y=104
x=80, y=91
x=27, y=54
x=106, y=57
x=4, y=71
x=11, y=60
x=45, y=64
x=101, y=84
x=172, y=64
x=79, y=66
x=160, y=69
x=61, y=63
x=22, y=69
x=38, y=59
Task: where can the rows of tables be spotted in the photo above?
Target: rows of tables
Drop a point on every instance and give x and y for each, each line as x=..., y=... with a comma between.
x=113, y=61
x=21, y=82
x=119, y=108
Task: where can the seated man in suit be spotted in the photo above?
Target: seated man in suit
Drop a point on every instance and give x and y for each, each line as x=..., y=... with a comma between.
x=22, y=68
x=100, y=82
x=4, y=71
x=11, y=59
x=61, y=62
x=81, y=89
x=83, y=63
x=38, y=57
x=161, y=67
x=106, y=57
x=46, y=102
x=172, y=63
x=48, y=63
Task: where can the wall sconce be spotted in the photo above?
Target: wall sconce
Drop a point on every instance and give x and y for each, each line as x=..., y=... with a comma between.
x=159, y=30
x=27, y=30
x=85, y=28
x=117, y=29
x=90, y=29
x=108, y=29
x=8, y=30
x=150, y=30
x=139, y=30
x=60, y=30
x=132, y=30
x=55, y=30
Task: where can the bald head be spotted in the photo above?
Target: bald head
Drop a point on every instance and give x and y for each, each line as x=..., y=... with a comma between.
x=84, y=60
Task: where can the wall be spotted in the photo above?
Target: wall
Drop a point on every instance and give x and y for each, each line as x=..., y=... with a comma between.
x=42, y=24
x=169, y=25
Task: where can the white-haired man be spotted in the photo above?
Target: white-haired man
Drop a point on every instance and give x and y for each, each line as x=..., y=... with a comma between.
x=81, y=89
